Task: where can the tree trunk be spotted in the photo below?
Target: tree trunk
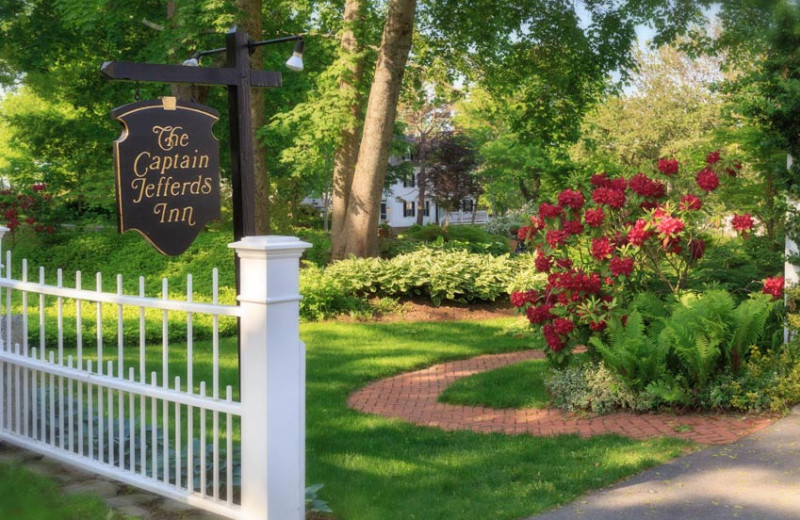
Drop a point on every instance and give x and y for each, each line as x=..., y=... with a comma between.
x=421, y=182
x=347, y=153
x=363, y=208
x=250, y=21
x=526, y=194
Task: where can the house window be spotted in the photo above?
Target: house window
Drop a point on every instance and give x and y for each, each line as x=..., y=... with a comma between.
x=409, y=182
x=383, y=212
x=467, y=205
x=409, y=209
x=427, y=211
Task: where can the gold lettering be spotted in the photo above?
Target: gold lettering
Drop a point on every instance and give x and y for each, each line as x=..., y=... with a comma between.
x=170, y=136
x=169, y=215
x=207, y=186
x=188, y=216
x=160, y=209
x=144, y=156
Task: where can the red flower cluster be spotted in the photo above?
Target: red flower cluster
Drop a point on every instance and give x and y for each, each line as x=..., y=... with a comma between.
x=619, y=230
x=563, y=325
x=669, y=226
x=638, y=233
x=691, y=202
x=742, y=223
x=668, y=166
x=621, y=266
x=602, y=248
x=643, y=185
x=543, y=263
x=540, y=314
x=609, y=197
x=707, y=180
x=556, y=237
x=571, y=198
x=39, y=186
x=774, y=286
x=572, y=227
x=520, y=298
x=549, y=210
x=537, y=223
x=554, y=341
x=697, y=248
x=594, y=217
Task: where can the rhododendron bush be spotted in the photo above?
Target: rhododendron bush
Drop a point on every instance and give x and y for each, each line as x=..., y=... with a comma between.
x=595, y=242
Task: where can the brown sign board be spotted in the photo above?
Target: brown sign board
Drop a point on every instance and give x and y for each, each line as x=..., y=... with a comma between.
x=167, y=169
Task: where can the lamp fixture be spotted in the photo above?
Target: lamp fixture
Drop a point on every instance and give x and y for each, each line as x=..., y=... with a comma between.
x=295, y=62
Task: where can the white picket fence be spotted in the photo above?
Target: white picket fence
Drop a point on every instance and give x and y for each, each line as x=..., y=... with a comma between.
x=156, y=416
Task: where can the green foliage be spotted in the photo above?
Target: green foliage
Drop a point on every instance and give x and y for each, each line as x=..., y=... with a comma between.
x=769, y=381
x=436, y=274
x=696, y=331
x=469, y=238
x=320, y=252
x=589, y=387
x=324, y=296
x=636, y=357
x=696, y=352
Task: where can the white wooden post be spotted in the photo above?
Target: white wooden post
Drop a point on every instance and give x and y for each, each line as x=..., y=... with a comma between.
x=3, y=231
x=790, y=271
x=272, y=379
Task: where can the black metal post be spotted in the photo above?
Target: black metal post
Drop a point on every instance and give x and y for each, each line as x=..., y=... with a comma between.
x=242, y=143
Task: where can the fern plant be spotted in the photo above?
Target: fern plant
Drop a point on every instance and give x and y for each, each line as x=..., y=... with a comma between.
x=748, y=328
x=631, y=353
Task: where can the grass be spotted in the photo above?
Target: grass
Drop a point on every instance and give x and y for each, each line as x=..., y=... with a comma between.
x=25, y=495
x=515, y=386
x=375, y=468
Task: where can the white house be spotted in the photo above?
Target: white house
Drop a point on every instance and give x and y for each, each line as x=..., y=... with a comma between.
x=400, y=205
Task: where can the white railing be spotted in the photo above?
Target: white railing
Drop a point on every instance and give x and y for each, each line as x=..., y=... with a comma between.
x=150, y=410
x=466, y=217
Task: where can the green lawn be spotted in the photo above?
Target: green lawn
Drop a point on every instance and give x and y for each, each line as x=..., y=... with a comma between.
x=27, y=496
x=520, y=385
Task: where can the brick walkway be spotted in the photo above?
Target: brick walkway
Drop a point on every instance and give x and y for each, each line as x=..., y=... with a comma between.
x=412, y=397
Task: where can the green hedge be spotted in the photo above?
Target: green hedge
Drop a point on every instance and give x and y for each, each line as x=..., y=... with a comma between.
x=435, y=274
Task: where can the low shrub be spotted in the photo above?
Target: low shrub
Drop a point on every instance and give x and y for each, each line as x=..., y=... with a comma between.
x=436, y=274
x=589, y=388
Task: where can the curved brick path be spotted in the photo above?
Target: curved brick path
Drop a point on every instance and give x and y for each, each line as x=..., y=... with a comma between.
x=412, y=397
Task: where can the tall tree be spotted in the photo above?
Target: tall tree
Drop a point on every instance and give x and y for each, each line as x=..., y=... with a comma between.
x=361, y=221
x=353, y=58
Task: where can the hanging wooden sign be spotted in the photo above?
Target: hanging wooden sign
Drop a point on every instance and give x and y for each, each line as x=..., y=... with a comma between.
x=167, y=168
